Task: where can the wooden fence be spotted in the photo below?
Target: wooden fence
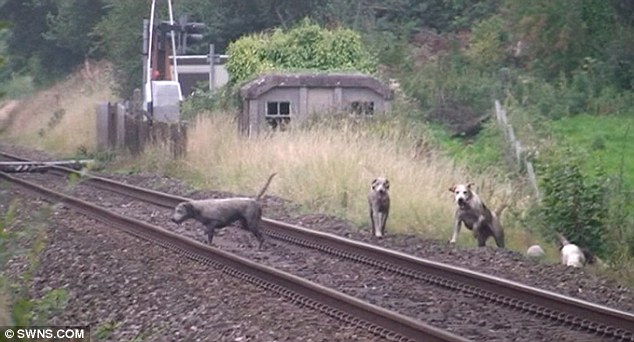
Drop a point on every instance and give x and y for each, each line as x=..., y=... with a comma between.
x=119, y=128
x=515, y=147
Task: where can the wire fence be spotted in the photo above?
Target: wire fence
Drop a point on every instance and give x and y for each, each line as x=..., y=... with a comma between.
x=515, y=148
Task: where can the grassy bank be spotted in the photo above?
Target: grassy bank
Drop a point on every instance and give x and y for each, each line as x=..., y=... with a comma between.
x=60, y=119
x=605, y=140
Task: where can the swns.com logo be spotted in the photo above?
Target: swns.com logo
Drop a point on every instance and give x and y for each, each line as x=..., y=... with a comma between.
x=45, y=334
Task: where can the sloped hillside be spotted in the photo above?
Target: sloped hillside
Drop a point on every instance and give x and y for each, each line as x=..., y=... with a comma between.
x=60, y=119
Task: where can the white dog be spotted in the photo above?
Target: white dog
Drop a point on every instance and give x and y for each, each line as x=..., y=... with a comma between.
x=571, y=254
x=471, y=211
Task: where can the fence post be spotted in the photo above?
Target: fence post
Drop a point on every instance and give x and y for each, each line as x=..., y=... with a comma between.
x=102, y=125
x=112, y=125
x=120, y=112
x=178, y=139
x=514, y=146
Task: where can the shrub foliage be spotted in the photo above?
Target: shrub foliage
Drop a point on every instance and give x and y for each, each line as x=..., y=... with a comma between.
x=304, y=47
x=574, y=205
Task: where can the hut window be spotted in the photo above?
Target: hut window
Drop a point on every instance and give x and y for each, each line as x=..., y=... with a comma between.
x=362, y=108
x=278, y=114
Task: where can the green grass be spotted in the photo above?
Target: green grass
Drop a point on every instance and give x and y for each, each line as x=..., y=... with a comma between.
x=17, y=87
x=604, y=140
x=478, y=153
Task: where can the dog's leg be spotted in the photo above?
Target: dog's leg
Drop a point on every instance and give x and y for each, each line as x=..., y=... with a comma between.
x=371, y=219
x=260, y=238
x=456, y=230
x=258, y=235
x=498, y=235
x=376, y=226
x=497, y=231
x=254, y=227
x=384, y=222
x=210, y=233
x=479, y=233
x=480, y=237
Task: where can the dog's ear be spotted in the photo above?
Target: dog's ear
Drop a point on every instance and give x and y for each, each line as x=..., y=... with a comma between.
x=387, y=184
x=470, y=184
x=373, y=184
x=188, y=206
x=453, y=188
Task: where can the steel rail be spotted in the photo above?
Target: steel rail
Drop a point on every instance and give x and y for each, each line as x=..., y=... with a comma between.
x=381, y=321
x=598, y=319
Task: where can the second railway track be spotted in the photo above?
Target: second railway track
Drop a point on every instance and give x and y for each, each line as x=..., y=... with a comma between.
x=595, y=319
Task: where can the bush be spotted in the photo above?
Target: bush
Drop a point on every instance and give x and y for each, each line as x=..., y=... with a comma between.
x=304, y=47
x=583, y=92
x=450, y=90
x=487, y=46
x=573, y=204
x=225, y=99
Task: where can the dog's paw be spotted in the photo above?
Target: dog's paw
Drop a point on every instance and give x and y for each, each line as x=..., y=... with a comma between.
x=451, y=242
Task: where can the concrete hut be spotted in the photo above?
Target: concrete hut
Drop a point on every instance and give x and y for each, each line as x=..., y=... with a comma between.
x=273, y=101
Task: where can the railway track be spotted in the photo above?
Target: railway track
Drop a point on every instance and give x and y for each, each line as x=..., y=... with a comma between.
x=382, y=322
x=596, y=319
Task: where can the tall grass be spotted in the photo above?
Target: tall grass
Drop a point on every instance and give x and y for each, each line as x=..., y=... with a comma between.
x=328, y=166
x=60, y=119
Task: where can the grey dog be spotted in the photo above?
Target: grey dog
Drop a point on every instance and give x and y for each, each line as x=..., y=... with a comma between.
x=219, y=213
x=476, y=216
x=379, y=201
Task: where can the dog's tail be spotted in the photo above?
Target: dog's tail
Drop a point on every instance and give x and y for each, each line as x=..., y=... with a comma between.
x=266, y=186
x=500, y=209
x=562, y=241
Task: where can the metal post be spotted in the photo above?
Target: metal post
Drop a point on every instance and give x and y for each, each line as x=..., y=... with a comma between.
x=146, y=25
x=148, y=77
x=212, y=69
x=169, y=4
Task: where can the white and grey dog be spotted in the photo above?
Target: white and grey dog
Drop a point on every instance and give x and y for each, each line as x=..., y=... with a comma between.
x=471, y=211
x=219, y=213
x=379, y=202
x=571, y=254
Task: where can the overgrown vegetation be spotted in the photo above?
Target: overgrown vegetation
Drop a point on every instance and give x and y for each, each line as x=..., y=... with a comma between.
x=573, y=204
x=25, y=242
x=304, y=47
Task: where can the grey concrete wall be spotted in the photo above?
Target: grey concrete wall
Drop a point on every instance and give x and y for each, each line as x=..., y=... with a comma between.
x=255, y=118
x=319, y=100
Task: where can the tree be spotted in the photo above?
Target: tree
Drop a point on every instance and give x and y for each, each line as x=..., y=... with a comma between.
x=49, y=37
x=72, y=25
x=558, y=35
x=120, y=35
x=228, y=20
